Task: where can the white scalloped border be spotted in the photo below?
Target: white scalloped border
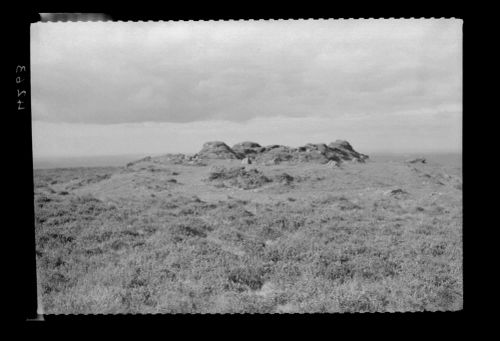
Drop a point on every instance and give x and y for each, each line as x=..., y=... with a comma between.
x=253, y=20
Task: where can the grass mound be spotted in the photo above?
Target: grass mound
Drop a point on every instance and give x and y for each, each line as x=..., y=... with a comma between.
x=244, y=278
x=188, y=228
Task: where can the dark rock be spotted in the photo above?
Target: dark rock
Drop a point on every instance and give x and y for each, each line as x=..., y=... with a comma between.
x=346, y=152
x=398, y=191
x=417, y=160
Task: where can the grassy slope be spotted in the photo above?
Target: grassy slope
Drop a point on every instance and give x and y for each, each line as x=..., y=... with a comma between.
x=334, y=240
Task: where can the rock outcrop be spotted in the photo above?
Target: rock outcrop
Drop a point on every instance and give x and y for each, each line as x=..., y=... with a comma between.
x=246, y=149
x=346, y=152
x=217, y=150
x=251, y=152
x=274, y=154
x=337, y=151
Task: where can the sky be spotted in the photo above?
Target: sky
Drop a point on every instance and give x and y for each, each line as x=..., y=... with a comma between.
x=112, y=88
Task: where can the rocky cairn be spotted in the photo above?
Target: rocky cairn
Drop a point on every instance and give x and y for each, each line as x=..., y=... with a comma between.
x=252, y=152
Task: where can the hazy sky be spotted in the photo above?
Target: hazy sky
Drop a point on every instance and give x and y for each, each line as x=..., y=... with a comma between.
x=124, y=88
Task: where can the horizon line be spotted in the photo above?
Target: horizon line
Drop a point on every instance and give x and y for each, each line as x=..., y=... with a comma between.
x=164, y=153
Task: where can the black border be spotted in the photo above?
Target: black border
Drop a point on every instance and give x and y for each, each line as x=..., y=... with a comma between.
x=24, y=177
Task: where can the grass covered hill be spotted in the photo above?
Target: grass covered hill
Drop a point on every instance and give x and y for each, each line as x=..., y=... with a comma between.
x=192, y=234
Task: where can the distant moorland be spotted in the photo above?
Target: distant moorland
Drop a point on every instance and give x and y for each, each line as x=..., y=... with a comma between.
x=274, y=229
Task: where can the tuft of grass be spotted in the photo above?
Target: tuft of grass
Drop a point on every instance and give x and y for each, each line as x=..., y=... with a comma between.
x=245, y=278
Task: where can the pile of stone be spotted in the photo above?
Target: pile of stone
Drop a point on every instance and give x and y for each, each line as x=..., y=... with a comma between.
x=251, y=152
x=335, y=152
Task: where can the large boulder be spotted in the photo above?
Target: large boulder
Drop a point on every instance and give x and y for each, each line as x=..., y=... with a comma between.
x=341, y=144
x=247, y=148
x=319, y=152
x=217, y=150
x=275, y=154
x=318, y=147
x=346, y=152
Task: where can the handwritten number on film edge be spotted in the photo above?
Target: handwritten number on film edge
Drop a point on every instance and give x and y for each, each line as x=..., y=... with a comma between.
x=20, y=92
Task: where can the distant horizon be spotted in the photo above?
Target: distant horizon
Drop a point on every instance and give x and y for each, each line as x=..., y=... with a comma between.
x=122, y=159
